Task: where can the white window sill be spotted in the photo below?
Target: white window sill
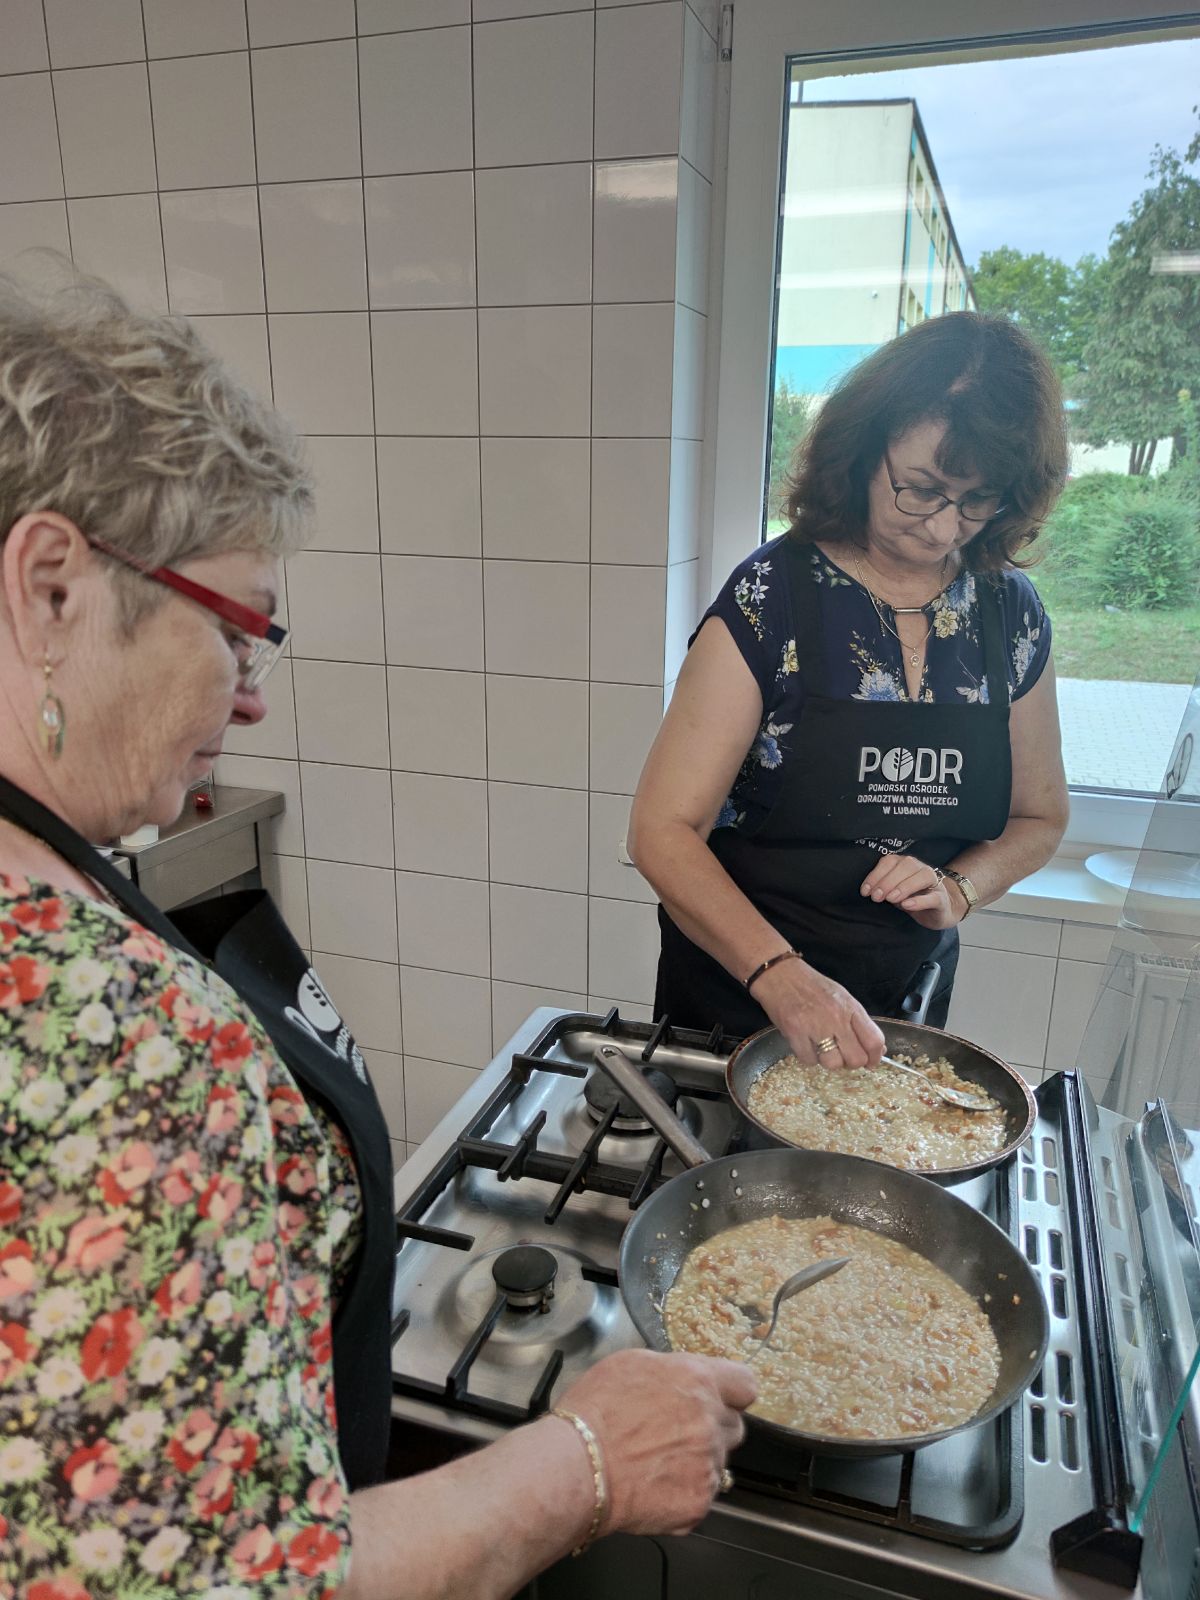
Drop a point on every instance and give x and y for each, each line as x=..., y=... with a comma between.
x=1066, y=890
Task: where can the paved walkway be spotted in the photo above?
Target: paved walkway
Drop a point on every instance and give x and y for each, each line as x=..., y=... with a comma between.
x=1119, y=735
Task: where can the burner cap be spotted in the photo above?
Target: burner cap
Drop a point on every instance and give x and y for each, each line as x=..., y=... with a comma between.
x=525, y=1275
x=601, y=1094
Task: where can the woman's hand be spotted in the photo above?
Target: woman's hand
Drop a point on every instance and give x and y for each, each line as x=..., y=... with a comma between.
x=810, y=1010
x=917, y=888
x=665, y=1425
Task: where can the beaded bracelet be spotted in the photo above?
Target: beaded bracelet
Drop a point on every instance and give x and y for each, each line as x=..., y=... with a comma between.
x=784, y=955
x=599, y=1480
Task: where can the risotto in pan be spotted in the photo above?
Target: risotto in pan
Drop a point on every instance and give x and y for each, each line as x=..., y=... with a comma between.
x=888, y=1116
x=888, y=1346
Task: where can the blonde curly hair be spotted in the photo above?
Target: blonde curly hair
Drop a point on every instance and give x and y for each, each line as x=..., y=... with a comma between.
x=129, y=426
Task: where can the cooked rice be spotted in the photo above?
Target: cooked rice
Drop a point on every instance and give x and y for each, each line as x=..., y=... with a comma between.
x=888, y=1116
x=887, y=1347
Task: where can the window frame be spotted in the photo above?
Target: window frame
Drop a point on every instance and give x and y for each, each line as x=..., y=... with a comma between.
x=766, y=35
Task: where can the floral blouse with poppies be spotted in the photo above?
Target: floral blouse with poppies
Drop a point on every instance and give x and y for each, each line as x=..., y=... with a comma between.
x=862, y=658
x=175, y=1221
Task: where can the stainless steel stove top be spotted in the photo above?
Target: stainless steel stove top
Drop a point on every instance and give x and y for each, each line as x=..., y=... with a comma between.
x=504, y=1169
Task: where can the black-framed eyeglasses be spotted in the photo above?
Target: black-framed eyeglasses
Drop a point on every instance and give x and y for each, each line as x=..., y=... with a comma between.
x=977, y=505
x=256, y=641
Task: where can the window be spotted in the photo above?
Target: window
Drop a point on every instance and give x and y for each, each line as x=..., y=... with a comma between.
x=1006, y=215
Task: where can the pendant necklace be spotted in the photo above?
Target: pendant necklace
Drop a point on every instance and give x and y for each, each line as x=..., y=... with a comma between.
x=914, y=655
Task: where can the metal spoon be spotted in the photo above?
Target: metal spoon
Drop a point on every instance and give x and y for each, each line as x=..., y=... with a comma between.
x=952, y=1097
x=804, y=1279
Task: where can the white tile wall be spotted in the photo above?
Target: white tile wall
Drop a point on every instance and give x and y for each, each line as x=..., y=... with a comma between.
x=535, y=504
x=533, y=226
x=314, y=250
x=421, y=240
x=539, y=837
x=104, y=130
x=983, y=1011
x=347, y=813
x=534, y=365
x=32, y=168
x=347, y=498
x=438, y=721
x=306, y=122
x=537, y=731
x=441, y=824
x=182, y=28
x=203, y=128
x=84, y=33
x=416, y=101
x=426, y=372
x=533, y=91
x=24, y=37
x=633, y=348
x=31, y=225
x=449, y=240
x=539, y=936
x=429, y=496
x=213, y=250
x=118, y=237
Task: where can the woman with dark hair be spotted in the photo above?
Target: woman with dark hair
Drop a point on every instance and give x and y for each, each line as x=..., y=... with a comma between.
x=863, y=743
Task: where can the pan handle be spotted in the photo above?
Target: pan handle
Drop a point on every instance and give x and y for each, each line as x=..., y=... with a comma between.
x=653, y=1107
x=915, y=1005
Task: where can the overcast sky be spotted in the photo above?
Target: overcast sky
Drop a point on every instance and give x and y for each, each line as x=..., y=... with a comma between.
x=1049, y=152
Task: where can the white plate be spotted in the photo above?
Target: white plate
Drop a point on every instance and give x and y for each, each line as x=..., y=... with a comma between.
x=1148, y=872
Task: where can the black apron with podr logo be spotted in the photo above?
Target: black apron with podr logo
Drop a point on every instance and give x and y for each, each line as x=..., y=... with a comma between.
x=938, y=775
x=243, y=937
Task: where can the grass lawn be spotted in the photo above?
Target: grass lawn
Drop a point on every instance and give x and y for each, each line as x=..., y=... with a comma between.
x=1131, y=646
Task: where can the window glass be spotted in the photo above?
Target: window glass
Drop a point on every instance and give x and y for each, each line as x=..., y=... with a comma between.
x=1011, y=186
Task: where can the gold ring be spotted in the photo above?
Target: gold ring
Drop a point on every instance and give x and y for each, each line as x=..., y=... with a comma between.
x=824, y=1045
x=726, y=1481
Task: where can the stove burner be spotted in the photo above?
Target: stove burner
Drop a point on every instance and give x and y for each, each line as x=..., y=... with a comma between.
x=525, y=1276
x=600, y=1094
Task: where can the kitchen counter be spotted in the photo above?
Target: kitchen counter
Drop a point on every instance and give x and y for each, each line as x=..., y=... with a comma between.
x=205, y=850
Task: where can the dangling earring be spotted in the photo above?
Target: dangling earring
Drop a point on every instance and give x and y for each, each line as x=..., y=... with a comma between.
x=52, y=718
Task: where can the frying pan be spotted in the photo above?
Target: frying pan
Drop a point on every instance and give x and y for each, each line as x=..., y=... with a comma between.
x=713, y=1195
x=974, y=1065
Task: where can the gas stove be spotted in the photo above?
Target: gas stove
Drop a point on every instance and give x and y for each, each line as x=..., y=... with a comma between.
x=509, y=1221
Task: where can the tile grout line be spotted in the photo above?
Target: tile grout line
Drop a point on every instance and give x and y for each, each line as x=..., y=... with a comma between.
x=387, y=705
x=62, y=165
x=162, y=240
x=262, y=260
x=587, y=864
x=487, y=800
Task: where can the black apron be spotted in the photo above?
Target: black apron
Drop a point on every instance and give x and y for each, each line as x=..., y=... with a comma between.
x=927, y=779
x=243, y=937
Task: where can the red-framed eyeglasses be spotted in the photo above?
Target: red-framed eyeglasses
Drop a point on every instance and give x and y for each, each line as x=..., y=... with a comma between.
x=259, y=641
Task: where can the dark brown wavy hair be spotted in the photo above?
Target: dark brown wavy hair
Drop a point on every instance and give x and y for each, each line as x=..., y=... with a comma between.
x=1002, y=406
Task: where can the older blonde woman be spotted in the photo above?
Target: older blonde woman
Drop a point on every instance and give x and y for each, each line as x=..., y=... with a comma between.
x=195, y=1227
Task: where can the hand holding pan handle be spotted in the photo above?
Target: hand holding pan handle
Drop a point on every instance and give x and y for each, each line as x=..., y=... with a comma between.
x=632, y=1083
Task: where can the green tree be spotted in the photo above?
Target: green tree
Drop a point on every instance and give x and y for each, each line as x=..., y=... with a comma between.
x=791, y=416
x=1145, y=343
x=1038, y=292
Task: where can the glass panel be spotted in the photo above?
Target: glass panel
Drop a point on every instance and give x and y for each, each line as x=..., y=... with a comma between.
x=1010, y=186
x=1141, y=1049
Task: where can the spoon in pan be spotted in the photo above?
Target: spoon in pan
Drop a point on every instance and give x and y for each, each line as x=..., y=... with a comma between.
x=952, y=1097
x=804, y=1279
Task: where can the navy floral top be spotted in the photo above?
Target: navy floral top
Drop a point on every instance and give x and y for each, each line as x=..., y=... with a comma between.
x=863, y=660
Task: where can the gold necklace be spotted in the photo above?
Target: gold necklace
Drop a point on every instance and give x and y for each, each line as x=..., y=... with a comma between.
x=914, y=655
x=904, y=611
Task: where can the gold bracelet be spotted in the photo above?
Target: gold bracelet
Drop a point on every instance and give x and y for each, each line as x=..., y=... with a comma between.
x=599, y=1481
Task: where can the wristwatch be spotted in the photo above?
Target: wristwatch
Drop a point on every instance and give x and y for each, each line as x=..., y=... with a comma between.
x=969, y=892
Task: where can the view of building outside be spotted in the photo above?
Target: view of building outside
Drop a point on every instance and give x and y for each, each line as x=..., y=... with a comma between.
x=1064, y=191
